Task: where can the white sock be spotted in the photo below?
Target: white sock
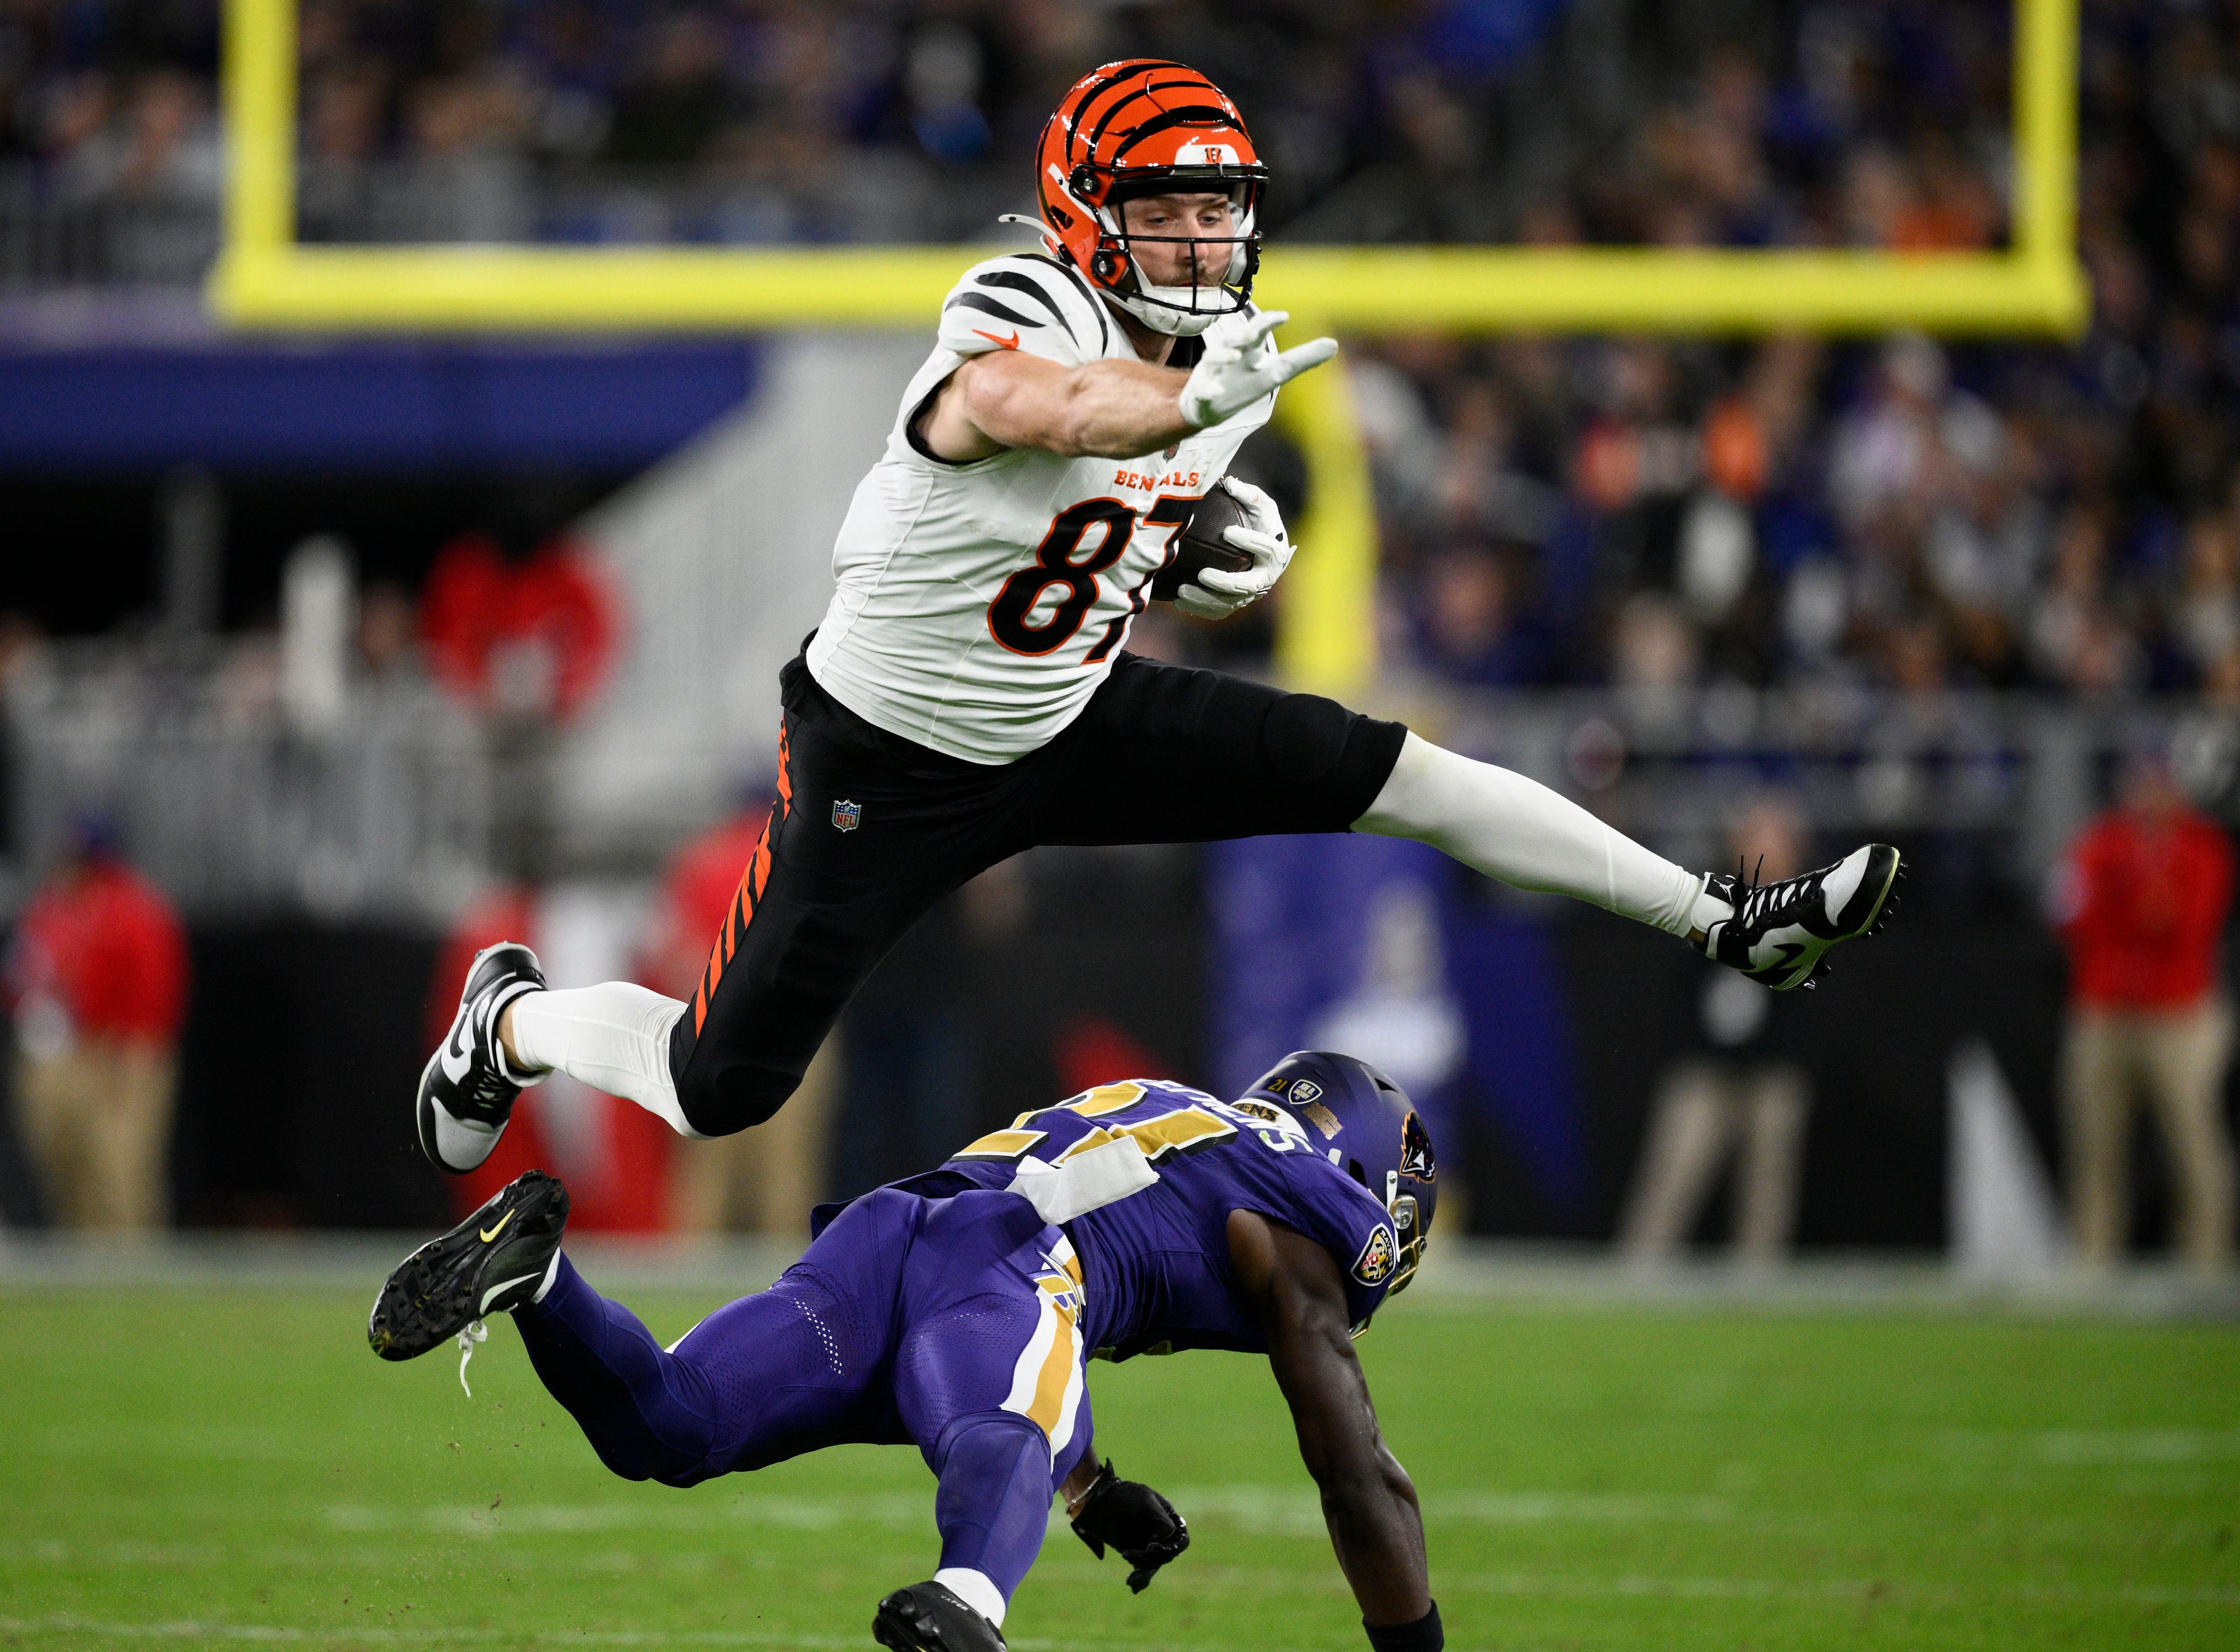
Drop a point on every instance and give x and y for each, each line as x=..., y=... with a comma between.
x=613, y=1037
x=1519, y=831
x=977, y=1589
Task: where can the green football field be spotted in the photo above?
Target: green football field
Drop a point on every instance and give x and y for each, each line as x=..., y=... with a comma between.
x=204, y=1467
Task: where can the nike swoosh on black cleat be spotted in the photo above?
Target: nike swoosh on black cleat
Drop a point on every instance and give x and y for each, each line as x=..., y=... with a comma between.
x=501, y=1250
x=465, y=1095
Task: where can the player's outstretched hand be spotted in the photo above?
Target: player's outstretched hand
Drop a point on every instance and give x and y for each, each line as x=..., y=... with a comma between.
x=1215, y=593
x=1240, y=365
x=1143, y=1525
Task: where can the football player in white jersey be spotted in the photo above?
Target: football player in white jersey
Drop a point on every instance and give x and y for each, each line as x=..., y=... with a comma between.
x=969, y=694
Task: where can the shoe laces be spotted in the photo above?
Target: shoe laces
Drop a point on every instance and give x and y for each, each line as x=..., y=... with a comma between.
x=1755, y=900
x=476, y=1331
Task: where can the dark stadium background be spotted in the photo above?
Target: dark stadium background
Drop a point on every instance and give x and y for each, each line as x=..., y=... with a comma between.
x=2054, y=579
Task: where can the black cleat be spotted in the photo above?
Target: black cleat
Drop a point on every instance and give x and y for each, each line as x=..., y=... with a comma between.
x=492, y=1262
x=1780, y=932
x=929, y=1617
x=466, y=1091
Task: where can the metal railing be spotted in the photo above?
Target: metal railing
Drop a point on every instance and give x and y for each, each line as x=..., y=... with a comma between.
x=388, y=813
x=383, y=815
x=2002, y=781
x=51, y=236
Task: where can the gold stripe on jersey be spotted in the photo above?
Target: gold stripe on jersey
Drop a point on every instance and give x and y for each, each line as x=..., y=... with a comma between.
x=1092, y=1103
x=1186, y=1130
x=1001, y=1144
x=1095, y=1139
x=1105, y=1098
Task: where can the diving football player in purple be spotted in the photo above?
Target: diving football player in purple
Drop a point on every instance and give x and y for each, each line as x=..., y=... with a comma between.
x=957, y=1310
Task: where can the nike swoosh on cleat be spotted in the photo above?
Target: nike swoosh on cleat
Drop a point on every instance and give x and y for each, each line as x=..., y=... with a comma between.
x=491, y=1296
x=456, y=1071
x=1012, y=343
x=489, y=1233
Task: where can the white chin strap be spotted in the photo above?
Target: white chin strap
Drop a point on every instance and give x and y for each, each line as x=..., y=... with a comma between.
x=1168, y=309
x=1181, y=322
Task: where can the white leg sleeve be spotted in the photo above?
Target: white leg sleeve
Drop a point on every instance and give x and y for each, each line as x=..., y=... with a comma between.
x=1518, y=831
x=613, y=1037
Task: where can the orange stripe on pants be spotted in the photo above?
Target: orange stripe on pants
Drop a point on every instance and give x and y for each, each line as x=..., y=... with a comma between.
x=752, y=882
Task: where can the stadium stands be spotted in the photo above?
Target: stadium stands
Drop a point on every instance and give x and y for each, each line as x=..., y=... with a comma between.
x=1930, y=590
x=1557, y=511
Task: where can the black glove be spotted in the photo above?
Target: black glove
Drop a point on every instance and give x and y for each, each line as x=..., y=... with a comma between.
x=1134, y=1519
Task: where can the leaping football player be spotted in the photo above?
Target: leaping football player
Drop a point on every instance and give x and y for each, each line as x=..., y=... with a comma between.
x=969, y=694
x=955, y=1311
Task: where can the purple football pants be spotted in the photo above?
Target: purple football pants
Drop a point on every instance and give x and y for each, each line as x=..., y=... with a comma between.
x=953, y=1324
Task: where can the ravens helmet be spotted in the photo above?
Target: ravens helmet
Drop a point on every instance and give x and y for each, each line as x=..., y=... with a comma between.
x=1363, y=1122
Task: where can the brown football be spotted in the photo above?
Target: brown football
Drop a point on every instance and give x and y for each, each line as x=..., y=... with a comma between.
x=1199, y=545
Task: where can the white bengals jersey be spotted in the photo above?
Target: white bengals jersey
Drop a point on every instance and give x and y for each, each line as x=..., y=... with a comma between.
x=980, y=605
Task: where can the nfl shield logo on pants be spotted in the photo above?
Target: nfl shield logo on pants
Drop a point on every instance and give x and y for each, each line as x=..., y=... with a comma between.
x=847, y=816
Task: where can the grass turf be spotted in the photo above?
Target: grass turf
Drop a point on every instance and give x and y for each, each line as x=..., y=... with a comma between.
x=223, y=1468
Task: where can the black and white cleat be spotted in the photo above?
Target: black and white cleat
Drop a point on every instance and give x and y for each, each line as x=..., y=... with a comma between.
x=929, y=1617
x=494, y=1261
x=1780, y=932
x=467, y=1091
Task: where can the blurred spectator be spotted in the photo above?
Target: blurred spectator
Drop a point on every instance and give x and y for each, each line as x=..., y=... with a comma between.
x=2063, y=515
x=97, y=983
x=2141, y=903
x=526, y=640
x=387, y=652
x=1738, y=1096
x=763, y=1179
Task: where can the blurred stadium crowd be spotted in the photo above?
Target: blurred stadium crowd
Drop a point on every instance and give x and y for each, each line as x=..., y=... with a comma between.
x=1438, y=120
x=1699, y=580
x=1584, y=511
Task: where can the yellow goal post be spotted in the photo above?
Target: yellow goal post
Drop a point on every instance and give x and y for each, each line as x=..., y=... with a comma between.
x=265, y=278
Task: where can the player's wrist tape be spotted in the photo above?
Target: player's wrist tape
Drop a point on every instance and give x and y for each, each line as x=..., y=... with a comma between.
x=1424, y=1634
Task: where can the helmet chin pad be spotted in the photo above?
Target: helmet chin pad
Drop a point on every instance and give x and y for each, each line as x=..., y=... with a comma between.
x=1174, y=317
x=1179, y=312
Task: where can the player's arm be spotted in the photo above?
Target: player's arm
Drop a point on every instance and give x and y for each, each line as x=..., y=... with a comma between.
x=1368, y=1500
x=1008, y=398
x=1111, y=410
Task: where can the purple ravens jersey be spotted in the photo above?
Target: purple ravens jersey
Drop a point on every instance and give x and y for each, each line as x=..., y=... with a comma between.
x=1155, y=1257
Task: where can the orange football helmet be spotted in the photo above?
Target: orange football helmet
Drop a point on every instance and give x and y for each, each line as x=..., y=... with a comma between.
x=1146, y=126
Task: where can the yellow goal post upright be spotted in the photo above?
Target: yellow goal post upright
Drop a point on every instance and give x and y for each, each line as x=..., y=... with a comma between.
x=265, y=278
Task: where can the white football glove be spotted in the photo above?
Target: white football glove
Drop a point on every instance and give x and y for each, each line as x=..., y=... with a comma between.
x=1240, y=366
x=1216, y=593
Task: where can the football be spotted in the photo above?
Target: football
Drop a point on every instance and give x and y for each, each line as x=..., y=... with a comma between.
x=1199, y=545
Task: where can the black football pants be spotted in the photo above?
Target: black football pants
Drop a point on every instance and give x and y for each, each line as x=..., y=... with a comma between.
x=871, y=829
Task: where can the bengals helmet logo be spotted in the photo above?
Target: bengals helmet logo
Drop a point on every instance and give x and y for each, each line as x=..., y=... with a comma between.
x=1375, y=1262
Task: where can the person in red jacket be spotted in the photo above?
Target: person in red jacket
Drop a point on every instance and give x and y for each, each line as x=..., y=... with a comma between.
x=2142, y=901
x=96, y=980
